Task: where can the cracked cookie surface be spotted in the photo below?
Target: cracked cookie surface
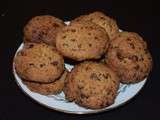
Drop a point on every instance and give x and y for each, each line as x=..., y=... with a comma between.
x=82, y=41
x=128, y=55
x=39, y=62
x=42, y=29
x=102, y=20
x=92, y=85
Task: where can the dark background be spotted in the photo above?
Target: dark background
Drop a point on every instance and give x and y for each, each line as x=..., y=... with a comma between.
x=137, y=15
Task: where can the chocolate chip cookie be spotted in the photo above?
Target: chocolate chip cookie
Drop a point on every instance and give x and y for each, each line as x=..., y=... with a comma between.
x=47, y=88
x=102, y=20
x=128, y=55
x=42, y=29
x=82, y=40
x=92, y=85
x=39, y=62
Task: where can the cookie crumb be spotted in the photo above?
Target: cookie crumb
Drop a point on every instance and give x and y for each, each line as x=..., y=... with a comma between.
x=54, y=63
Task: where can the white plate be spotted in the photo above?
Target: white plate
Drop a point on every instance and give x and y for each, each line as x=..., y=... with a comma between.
x=58, y=102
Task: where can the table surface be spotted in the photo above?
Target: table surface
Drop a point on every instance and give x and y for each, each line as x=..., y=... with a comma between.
x=134, y=16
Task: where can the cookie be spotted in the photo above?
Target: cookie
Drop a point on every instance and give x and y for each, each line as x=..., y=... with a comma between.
x=42, y=29
x=39, y=62
x=128, y=55
x=82, y=40
x=102, y=20
x=91, y=85
x=47, y=88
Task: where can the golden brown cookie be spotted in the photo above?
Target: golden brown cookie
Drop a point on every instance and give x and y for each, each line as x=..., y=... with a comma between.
x=42, y=29
x=129, y=57
x=39, y=62
x=82, y=40
x=47, y=88
x=102, y=20
x=92, y=85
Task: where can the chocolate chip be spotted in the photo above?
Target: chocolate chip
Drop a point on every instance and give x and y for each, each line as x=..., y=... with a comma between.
x=89, y=33
x=31, y=46
x=87, y=68
x=49, y=58
x=91, y=19
x=150, y=58
x=43, y=33
x=132, y=45
x=102, y=18
x=141, y=58
x=73, y=40
x=114, y=82
x=124, y=61
x=64, y=37
x=40, y=35
x=95, y=37
x=94, y=76
x=100, y=74
x=119, y=56
x=90, y=45
x=55, y=25
x=54, y=63
x=84, y=96
x=81, y=27
x=79, y=46
x=41, y=65
x=115, y=47
x=91, y=27
x=134, y=58
x=73, y=30
x=31, y=64
x=128, y=39
x=136, y=67
x=141, y=71
x=107, y=76
x=80, y=87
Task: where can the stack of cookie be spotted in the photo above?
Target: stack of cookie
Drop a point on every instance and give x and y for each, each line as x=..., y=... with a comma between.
x=89, y=39
x=41, y=67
